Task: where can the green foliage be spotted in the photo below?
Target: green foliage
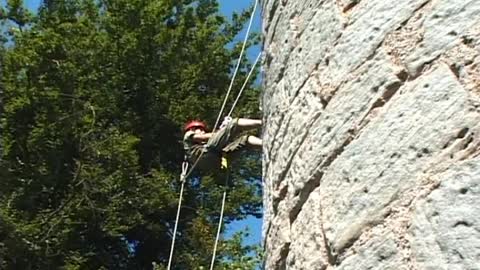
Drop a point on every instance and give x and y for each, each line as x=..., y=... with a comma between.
x=94, y=95
x=16, y=12
x=238, y=256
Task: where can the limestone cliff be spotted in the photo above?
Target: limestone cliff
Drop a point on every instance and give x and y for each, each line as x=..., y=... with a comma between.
x=372, y=134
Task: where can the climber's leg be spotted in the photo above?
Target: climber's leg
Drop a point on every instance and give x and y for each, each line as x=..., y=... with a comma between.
x=241, y=143
x=225, y=136
x=222, y=137
x=254, y=141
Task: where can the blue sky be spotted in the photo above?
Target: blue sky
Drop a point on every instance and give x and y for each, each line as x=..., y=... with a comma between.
x=227, y=7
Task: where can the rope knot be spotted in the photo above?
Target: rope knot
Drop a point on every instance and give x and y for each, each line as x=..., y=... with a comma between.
x=226, y=121
x=184, y=171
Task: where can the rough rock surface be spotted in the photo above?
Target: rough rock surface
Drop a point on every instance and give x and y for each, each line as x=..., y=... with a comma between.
x=372, y=134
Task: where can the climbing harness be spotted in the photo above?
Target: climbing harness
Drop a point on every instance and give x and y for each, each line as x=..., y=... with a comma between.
x=186, y=173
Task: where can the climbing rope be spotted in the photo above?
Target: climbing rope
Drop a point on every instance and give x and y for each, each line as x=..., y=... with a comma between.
x=237, y=67
x=182, y=180
x=228, y=118
x=186, y=174
x=219, y=229
x=231, y=84
x=244, y=84
x=220, y=221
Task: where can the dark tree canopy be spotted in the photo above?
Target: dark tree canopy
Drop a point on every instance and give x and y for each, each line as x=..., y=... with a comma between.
x=94, y=94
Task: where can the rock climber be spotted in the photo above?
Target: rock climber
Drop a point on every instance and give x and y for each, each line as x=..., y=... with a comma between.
x=225, y=142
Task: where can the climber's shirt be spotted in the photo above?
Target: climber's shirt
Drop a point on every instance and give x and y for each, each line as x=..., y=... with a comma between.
x=192, y=148
x=222, y=142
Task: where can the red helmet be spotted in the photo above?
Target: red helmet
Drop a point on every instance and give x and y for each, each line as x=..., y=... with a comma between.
x=194, y=124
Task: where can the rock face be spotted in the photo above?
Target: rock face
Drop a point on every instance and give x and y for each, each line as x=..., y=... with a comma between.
x=372, y=134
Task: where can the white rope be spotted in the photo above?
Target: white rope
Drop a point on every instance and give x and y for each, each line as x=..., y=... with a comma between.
x=244, y=84
x=219, y=229
x=231, y=84
x=238, y=65
x=220, y=221
x=185, y=174
x=182, y=179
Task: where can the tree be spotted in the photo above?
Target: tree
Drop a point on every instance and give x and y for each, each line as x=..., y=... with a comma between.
x=94, y=97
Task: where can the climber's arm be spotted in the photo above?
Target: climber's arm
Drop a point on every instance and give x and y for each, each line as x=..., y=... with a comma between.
x=202, y=137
